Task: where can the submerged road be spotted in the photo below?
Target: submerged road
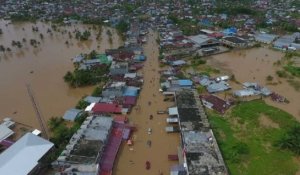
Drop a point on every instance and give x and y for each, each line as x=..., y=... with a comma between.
x=131, y=159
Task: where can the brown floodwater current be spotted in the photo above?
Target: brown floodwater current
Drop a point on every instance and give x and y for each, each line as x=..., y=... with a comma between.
x=131, y=159
x=43, y=68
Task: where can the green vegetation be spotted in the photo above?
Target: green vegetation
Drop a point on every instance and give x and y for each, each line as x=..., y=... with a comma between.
x=87, y=77
x=197, y=60
x=97, y=91
x=248, y=138
x=83, y=35
x=295, y=71
x=61, y=134
x=281, y=74
x=269, y=78
x=81, y=104
x=200, y=89
x=22, y=17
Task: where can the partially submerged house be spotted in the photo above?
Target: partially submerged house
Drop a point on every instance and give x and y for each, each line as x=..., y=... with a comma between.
x=235, y=42
x=72, y=114
x=218, y=87
x=24, y=156
x=204, y=41
x=215, y=103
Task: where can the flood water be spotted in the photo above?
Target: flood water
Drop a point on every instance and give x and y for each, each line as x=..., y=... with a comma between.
x=254, y=65
x=133, y=162
x=43, y=69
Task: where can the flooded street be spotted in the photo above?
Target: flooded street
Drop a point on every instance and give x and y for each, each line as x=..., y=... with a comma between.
x=254, y=65
x=43, y=69
x=133, y=162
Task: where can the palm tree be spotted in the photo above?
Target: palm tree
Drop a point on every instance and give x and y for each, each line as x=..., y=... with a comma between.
x=54, y=122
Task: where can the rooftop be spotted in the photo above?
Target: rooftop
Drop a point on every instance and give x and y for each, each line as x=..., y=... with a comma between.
x=23, y=155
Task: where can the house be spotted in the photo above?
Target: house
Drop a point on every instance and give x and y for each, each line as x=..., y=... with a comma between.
x=102, y=108
x=24, y=155
x=218, y=87
x=131, y=91
x=139, y=58
x=178, y=63
x=245, y=93
x=202, y=41
x=235, y=42
x=72, y=114
x=129, y=101
x=116, y=89
x=92, y=99
x=183, y=83
x=265, y=38
x=230, y=31
x=118, y=68
x=78, y=58
x=173, y=112
x=286, y=41
x=215, y=103
x=5, y=132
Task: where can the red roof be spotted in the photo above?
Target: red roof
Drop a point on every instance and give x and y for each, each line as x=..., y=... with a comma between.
x=107, y=108
x=219, y=105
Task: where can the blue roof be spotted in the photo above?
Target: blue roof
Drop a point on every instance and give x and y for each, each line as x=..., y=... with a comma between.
x=185, y=82
x=130, y=91
x=230, y=31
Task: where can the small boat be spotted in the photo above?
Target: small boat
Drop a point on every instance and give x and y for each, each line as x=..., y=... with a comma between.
x=148, y=165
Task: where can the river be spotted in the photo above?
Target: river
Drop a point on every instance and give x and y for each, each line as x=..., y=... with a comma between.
x=43, y=69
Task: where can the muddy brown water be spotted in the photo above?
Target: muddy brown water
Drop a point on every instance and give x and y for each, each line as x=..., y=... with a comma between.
x=43, y=68
x=254, y=65
x=133, y=162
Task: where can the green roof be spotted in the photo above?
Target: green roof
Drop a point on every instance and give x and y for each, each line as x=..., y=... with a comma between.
x=103, y=59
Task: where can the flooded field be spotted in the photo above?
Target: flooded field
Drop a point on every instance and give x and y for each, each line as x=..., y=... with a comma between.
x=254, y=65
x=43, y=68
x=133, y=161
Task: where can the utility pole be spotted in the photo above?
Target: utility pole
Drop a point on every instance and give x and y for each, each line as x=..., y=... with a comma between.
x=37, y=112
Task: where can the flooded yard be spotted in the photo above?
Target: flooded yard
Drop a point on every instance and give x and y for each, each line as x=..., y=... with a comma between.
x=133, y=161
x=43, y=68
x=254, y=65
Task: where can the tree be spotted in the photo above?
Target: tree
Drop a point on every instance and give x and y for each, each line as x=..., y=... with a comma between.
x=54, y=122
x=82, y=104
x=122, y=26
x=269, y=78
x=85, y=35
x=2, y=48
x=92, y=54
x=68, y=77
x=97, y=92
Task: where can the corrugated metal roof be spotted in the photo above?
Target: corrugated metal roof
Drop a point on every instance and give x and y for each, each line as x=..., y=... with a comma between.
x=23, y=156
